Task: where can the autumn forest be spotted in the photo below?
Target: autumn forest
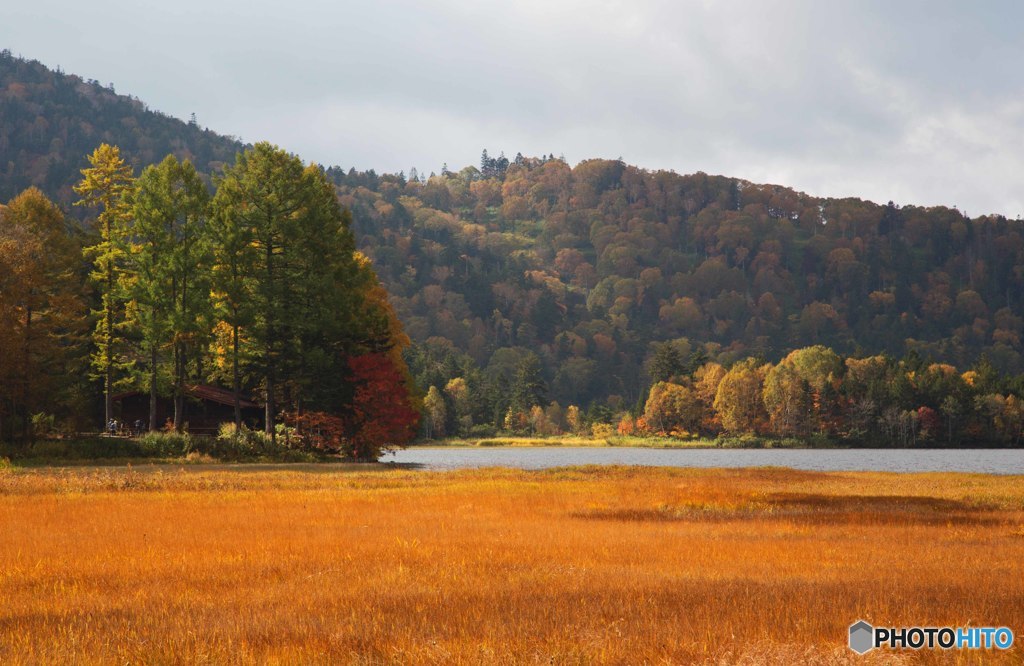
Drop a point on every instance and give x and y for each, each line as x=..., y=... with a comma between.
x=518, y=295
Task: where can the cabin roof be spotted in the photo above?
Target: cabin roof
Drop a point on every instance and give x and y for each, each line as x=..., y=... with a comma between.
x=205, y=392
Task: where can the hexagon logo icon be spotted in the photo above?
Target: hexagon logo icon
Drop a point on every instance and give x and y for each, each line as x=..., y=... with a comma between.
x=861, y=637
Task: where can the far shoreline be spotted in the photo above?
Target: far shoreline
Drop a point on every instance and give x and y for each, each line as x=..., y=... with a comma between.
x=723, y=443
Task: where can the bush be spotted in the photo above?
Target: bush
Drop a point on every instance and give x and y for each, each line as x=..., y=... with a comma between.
x=227, y=445
x=246, y=444
x=482, y=430
x=741, y=442
x=235, y=443
x=165, y=444
x=43, y=425
x=519, y=441
x=317, y=431
x=749, y=441
x=79, y=449
x=787, y=443
x=57, y=448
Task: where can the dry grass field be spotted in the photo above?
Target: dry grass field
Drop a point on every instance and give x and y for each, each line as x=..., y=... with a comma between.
x=591, y=565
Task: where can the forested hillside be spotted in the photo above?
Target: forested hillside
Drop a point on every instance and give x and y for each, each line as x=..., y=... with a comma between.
x=49, y=122
x=528, y=281
x=588, y=266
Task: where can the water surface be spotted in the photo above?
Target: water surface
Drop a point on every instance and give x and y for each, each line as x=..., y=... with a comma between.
x=985, y=461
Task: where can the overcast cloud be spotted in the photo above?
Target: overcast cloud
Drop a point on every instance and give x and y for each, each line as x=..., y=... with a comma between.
x=917, y=102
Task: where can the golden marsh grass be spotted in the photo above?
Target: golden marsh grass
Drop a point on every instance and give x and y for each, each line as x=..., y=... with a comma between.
x=584, y=565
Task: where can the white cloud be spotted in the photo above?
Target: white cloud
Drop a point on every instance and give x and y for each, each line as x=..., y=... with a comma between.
x=913, y=102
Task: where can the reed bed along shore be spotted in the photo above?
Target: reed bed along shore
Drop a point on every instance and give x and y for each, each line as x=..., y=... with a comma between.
x=576, y=566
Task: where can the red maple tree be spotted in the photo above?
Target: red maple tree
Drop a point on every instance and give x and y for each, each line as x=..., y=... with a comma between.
x=382, y=413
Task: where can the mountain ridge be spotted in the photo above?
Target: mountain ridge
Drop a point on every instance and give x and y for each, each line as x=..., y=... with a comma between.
x=52, y=120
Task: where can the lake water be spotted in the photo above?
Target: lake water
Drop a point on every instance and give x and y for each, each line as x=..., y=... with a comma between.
x=986, y=461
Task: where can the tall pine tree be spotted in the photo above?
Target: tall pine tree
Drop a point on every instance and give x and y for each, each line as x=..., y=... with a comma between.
x=299, y=275
x=167, y=272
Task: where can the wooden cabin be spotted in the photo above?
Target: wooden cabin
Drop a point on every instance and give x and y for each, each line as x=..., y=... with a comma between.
x=206, y=407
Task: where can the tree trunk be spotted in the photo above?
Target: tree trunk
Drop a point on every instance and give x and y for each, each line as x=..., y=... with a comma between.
x=108, y=336
x=108, y=375
x=179, y=387
x=180, y=364
x=152, y=388
x=269, y=347
x=269, y=412
x=236, y=382
x=26, y=426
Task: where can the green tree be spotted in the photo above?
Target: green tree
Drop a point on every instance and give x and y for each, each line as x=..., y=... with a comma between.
x=667, y=362
x=528, y=387
x=233, y=273
x=822, y=369
x=299, y=275
x=105, y=185
x=457, y=391
x=15, y=255
x=816, y=365
x=167, y=271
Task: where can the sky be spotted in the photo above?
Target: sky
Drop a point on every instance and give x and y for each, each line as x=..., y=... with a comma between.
x=915, y=102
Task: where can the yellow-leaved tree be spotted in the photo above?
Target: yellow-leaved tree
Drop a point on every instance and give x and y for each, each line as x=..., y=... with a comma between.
x=738, y=400
x=106, y=184
x=41, y=306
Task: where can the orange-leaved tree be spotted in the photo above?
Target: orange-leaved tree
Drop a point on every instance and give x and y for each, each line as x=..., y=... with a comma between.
x=383, y=412
x=42, y=308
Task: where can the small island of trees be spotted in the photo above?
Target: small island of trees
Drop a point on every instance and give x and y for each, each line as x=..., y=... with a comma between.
x=258, y=288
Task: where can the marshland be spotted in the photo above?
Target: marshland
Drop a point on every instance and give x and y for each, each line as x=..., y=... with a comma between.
x=378, y=564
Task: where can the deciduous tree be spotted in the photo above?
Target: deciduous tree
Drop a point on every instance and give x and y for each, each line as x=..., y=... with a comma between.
x=105, y=185
x=671, y=407
x=738, y=401
x=787, y=400
x=434, y=413
x=41, y=305
x=383, y=412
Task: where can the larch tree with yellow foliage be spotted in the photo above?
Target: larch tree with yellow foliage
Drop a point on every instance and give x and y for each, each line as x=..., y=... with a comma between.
x=105, y=185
